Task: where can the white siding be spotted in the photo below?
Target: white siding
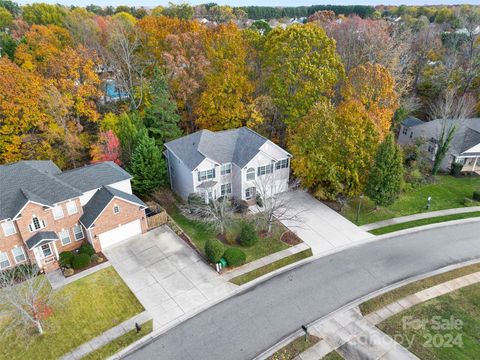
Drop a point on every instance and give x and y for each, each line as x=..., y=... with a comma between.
x=123, y=185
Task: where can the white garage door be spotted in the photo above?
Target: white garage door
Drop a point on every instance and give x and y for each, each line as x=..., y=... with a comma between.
x=120, y=233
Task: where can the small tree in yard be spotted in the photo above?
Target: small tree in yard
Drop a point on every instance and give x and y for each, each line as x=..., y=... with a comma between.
x=451, y=111
x=217, y=212
x=214, y=250
x=25, y=298
x=147, y=166
x=272, y=201
x=385, y=179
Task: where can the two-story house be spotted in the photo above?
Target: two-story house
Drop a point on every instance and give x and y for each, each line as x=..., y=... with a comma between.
x=226, y=163
x=44, y=211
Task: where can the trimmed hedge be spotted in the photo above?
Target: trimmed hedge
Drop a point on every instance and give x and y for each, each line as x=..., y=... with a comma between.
x=248, y=235
x=214, y=250
x=65, y=258
x=476, y=195
x=87, y=249
x=235, y=256
x=80, y=261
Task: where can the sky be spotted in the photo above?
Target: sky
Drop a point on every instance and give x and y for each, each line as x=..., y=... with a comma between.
x=153, y=3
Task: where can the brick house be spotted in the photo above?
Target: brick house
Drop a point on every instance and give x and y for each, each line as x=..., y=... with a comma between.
x=44, y=211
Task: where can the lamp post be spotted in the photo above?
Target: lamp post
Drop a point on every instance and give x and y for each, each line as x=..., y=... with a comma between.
x=429, y=200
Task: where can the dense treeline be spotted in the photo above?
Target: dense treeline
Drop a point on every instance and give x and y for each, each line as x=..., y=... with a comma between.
x=91, y=84
x=269, y=12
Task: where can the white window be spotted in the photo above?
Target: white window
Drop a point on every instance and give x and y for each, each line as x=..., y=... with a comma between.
x=226, y=189
x=282, y=164
x=36, y=224
x=116, y=209
x=46, y=250
x=264, y=170
x=72, y=207
x=57, y=212
x=19, y=254
x=251, y=174
x=249, y=193
x=8, y=228
x=64, y=236
x=78, y=232
x=205, y=175
x=226, y=169
x=4, y=262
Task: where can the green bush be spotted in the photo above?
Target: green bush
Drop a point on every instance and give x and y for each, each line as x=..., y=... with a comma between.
x=214, y=250
x=65, y=258
x=476, y=195
x=456, y=169
x=235, y=257
x=87, y=249
x=94, y=257
x=248, y=235
x=80, y=261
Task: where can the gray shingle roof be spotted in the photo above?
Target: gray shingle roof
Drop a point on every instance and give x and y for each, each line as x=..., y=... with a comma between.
x=471, y=138
x=40, y=238
x=100, y=200
x=411, y=121
x=238, y=146
x=94, y=176
x=44, y=183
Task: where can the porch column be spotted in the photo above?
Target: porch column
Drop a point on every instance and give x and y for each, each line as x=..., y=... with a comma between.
x=37, y=258
x=474, y=164
x=55, y=249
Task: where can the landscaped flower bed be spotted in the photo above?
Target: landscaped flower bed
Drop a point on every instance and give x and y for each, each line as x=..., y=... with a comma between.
x=81, y=259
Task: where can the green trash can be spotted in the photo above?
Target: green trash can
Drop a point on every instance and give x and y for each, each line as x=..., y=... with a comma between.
x=223, y=263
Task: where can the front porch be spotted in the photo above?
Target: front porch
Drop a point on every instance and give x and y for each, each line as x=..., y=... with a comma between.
x=471, y=165
x=44, y=250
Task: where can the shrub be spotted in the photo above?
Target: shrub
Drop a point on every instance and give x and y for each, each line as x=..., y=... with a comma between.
x=259, y=200
x=248, y=235
x=81, y=261
x=239, y=206
x=235, y=256
x=65, y=258
x=214, y=250
x=476, y=195
x=87, y=249
x=456, y=169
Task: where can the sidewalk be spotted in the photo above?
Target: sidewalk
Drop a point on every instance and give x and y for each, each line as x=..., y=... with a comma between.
x=57, y=280
x=107, y=336
x=425, y=215
x=228, y=275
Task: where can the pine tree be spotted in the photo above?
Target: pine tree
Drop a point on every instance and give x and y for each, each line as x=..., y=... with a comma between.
x=161, y=116
x=147, y=167
x=385, y=179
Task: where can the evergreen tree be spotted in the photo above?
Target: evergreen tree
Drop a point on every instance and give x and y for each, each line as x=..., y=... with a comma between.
x=385, y=179
x=161, y=116
x=148, y=167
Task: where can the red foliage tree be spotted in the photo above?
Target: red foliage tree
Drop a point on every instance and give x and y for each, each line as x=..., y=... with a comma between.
x=107, y=148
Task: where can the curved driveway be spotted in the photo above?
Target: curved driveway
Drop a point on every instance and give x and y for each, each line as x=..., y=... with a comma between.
x=243, y=326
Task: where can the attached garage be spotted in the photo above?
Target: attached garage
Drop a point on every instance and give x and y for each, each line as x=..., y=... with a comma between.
x=120, y=233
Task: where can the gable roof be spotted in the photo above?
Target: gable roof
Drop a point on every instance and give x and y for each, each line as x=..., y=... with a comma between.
x=98, y=202
x=238, y=146
x=43, y=182
x=411, y=121
x=41, y=238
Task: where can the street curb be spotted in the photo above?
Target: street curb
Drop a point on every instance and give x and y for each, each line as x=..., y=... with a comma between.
x=270, y=351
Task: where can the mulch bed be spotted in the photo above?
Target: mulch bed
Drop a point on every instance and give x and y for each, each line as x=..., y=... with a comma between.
x=91, y=265
x=263, y=234
x=290, y=238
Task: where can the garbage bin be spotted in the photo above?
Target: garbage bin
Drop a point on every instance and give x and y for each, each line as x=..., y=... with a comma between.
x=223, y=263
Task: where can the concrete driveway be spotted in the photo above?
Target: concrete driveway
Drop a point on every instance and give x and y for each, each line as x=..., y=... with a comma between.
x=322, y=228
x=168, y=277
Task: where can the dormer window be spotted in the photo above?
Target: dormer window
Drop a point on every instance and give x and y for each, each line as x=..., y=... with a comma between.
x=36, y=224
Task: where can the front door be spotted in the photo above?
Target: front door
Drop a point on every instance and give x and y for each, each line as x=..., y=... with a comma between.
x=46, y=251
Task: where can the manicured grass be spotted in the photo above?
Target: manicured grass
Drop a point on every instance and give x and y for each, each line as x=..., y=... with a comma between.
x=332, y=356
x=434, y=220
x=242, y=279
x=294, y=348
x=200, y=232
x=394, y=295
x=91, y=306
x=462, y=305
x=447, y=192
x=118, y=344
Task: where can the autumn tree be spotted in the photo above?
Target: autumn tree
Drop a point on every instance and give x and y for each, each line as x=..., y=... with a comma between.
x=226, y=101
x=374, y=87
x=43, y=14
x=385, y=179
x=300, y=66
x=181, y=11
x=107, y=148
x=5, y=18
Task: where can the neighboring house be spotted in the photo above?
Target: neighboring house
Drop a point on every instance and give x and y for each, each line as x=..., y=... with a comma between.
x=44, y=211
x=226, y=163
x=463, y=148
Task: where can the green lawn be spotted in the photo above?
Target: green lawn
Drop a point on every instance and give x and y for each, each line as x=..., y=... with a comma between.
x=332, y=356
x=433, y=344
x=242, y=279
x=447, y=192
x=118, y=344
x=382, y=300
x=91, y=306
x=200, y=232
x=294, y=348
x=434, y=220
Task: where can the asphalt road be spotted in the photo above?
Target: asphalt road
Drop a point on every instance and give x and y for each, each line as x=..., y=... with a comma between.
x=243, y=326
